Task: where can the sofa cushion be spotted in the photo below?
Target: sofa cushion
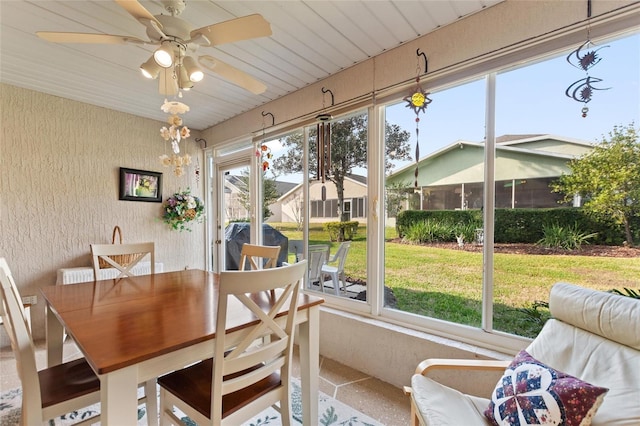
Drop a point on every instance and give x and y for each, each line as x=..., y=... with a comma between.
x=440, y=405
x=609, y=315
x=531, y=392
x=594, y=336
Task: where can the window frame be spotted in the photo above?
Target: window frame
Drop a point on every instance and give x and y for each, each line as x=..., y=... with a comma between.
x=487, y=67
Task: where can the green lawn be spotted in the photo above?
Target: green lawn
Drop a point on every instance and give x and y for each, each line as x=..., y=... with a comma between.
x=447, y=283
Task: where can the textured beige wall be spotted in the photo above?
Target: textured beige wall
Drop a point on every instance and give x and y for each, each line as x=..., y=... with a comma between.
x=59, y=172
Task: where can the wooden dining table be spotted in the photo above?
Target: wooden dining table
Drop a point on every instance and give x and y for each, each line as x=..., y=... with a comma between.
x=138, y=328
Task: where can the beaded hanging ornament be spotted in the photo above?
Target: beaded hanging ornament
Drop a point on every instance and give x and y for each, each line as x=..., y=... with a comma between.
x=417, y=101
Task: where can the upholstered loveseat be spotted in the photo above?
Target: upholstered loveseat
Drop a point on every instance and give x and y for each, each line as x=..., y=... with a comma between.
x=593, y=336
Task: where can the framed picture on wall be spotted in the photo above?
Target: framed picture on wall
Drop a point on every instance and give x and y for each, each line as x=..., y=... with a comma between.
x=140, y=185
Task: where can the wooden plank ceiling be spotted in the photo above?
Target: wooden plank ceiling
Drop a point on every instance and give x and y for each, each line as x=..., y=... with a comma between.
x=311, y=40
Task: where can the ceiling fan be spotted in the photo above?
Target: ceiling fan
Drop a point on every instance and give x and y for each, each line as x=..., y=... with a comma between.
x=173, y=61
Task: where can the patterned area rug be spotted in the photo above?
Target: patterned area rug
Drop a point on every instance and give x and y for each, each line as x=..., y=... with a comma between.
x=330, y=412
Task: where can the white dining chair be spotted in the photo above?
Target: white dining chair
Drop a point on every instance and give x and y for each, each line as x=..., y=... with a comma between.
x=51, y=392
x=258, y=256
x=242, y=379
x=55, y=391
x=336, y=272
x=122, y=257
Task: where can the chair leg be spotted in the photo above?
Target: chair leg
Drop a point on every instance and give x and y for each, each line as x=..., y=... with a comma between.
x=151, y=393
x=285, y=411
x=414, y=421
x=166, y=419
x=343, y=280
x=336, y=283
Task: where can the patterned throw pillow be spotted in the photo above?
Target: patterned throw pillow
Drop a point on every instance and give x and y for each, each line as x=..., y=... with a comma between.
x=532, y=393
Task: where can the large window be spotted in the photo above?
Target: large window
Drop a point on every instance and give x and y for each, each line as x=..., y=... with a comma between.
x=426, y=272
x=433, y=272
x=488, y=144
x=338, y=193
x=553, y=127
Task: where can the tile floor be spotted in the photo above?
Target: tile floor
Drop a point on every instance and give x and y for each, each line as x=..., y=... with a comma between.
x=373, y=397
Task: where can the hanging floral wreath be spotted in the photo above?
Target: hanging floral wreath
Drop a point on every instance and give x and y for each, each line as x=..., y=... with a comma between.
x=182, y=208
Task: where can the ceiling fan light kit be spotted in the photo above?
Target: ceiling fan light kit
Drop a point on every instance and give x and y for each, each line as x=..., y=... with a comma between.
x=150, y=69
x=177, y=40
x=183, y=80
x=193, y=70
x=164, y=56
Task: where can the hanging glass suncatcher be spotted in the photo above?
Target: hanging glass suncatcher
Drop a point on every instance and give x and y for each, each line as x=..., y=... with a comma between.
x=418, y=101
x=263, y=153
x=583, y=58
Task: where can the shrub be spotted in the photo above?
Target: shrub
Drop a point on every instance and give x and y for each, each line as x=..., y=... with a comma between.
x=536, y=315
x=342, y=231
x=407, y=218
x=524, y=225
x=429, y=231
x=567, y=238
x=466, y=230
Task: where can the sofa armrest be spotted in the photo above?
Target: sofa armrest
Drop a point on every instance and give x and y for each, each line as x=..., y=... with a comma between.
x=460, y=364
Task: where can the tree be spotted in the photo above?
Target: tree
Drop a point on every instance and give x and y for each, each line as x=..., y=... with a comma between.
x=608, y=178
x=396, y=195
x=296, y=210
x=348, y=150
x=269, y=193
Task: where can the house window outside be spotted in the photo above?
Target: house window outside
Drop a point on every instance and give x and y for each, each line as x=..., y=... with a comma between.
x=315, y=208
x=358, y=207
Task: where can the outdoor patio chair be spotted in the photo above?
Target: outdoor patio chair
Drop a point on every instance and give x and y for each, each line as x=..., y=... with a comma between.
x=296, y=247
x=317, y=255
x=337, y=272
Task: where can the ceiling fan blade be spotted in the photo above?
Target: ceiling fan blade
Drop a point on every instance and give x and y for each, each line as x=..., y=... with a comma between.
x=243, y=28
x=58, y=37
x=138, y=11
x=234, y=75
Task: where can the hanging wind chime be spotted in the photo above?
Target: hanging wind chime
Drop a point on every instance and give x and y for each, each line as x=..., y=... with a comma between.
x=418, y=101
x=175, y=133
x=323, y=149
x=582, y=58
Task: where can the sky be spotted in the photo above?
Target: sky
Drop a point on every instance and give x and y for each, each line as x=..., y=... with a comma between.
x=529, y=100
x=532, y=100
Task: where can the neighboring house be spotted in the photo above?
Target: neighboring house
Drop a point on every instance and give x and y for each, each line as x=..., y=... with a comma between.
x=289, y=205
x=234, y=186
x=276, y=207
x=452, y=178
